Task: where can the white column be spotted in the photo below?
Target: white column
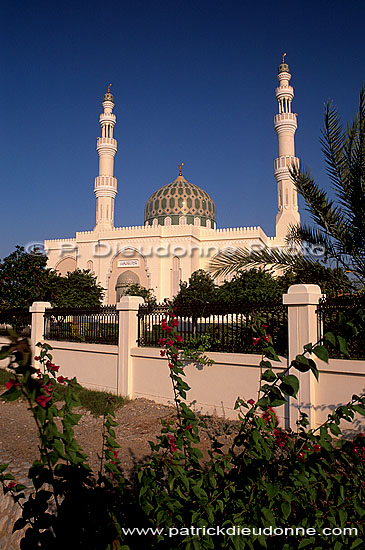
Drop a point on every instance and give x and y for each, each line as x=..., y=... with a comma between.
x=37, y=310
x=128, y=334
x=302, y=302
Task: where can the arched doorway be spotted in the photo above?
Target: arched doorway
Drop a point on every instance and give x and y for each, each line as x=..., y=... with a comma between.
x=125, y=279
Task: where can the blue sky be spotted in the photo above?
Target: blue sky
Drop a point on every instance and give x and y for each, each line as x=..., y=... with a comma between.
x=193, y=82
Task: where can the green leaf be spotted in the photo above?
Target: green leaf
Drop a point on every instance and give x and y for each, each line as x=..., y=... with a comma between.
x=272, y=490
x=330, y=337
x=313, y=368
x=19, y=524
x=270, y=353
x=359, y=408
x=306, y=542
x=356, y=544
x=269, y=376
x=334, y=429
x=321, y=352
x=286, y=509
x=268, y=515
x=4, y=352
x=301, y=363
x=343, y=345
x=12, y=394
x=57, y=445
x=290, y=385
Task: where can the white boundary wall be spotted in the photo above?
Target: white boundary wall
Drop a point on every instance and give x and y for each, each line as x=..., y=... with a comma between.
x=141, y=372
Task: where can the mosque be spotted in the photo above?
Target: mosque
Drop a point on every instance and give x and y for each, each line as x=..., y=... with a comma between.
x=180, y=233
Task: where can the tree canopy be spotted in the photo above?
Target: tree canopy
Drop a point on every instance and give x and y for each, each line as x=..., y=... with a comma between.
x=25, y=278
x=135, y=289
x=198, y=291
x=254, y=286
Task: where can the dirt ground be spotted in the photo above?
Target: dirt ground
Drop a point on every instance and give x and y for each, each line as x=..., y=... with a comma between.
x=139, y=422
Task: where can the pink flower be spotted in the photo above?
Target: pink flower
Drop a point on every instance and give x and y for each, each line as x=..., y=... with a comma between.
x=263, y=325
x=36, y=358
x=169, y=343
x=161, y=341
x=316, y=448
x=270, y=417
x=48, y=388
x=171, y=441
x=280, y=437
x=175, y=323
x=51, y=367
x=11, y=484
x=267, y=338
x=10, y=383
x=251, y=401
x=171, y=365
x=62, y=380
x=255, y=341
x=179, y=338
x=163, y=353
x=42, y=400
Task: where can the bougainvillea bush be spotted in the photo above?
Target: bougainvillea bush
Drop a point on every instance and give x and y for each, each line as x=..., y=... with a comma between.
x=273, y=488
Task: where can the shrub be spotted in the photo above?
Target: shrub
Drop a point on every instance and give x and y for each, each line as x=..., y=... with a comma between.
x=270, y=483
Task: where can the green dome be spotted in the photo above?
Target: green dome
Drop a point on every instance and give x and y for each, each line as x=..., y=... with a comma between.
x=180, y=202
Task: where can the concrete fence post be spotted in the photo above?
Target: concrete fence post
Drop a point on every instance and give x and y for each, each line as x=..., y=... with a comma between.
x=302, y=302
x=37, y=309
x=128, y=335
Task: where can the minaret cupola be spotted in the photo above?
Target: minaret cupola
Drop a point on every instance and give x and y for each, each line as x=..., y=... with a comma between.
x=105, y=188
x=285, y=124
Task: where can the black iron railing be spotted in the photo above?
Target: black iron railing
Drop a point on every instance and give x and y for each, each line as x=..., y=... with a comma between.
x=220, y=327
x=333, y=314
x=98, y=325
x=18, y=319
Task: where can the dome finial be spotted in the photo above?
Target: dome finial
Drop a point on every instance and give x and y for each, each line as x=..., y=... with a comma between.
x=111, y=84
x=180, y=167
x=283, y=57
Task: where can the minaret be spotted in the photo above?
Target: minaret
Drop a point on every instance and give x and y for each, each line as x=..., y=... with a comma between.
x=105, y=187
x=285, y=124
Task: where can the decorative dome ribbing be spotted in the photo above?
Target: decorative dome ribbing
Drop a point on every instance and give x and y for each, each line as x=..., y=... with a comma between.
x=180, y=202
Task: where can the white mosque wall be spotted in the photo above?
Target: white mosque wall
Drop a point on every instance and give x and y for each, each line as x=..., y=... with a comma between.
x=155, y=249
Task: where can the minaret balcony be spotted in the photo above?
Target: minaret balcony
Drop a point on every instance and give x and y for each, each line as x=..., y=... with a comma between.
x=105, y=186
x=108, y=117
x=284, y=162
x=281, y=167
x=106, y=145
x=285, y=122
x=284, y=92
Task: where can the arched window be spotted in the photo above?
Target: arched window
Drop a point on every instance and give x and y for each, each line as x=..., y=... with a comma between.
x=125, y=279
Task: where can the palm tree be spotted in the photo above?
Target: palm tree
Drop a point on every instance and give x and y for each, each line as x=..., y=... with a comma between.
x=339, y=224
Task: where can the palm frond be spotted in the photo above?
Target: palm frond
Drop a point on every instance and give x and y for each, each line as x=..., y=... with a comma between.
x=332, y=141
x=299, y=233
x=323, y=211
x=234, y=259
